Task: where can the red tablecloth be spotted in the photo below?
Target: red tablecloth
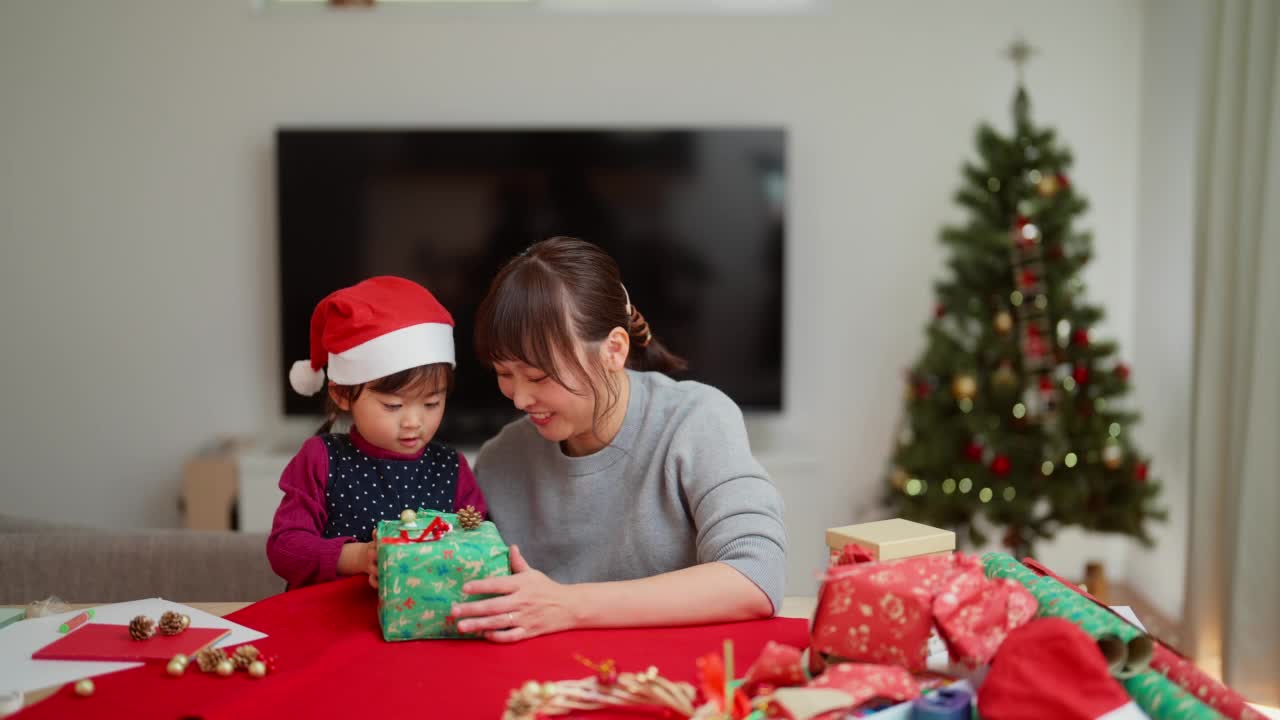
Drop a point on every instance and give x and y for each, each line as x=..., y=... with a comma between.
x=334, y=663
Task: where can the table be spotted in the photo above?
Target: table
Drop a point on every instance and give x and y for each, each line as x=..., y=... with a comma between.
x=799, y=606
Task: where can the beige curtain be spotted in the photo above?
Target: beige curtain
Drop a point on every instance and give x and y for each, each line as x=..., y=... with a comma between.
x=1233, y=586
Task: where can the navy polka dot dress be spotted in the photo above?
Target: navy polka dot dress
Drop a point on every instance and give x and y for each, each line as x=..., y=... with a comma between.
x=362, y=490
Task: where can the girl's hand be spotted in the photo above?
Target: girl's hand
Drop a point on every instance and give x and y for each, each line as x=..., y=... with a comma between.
x=531, y=604
x=372, y=564
x=359, y=559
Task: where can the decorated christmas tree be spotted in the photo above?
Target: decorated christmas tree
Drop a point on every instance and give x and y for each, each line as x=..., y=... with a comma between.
x=1013, y=411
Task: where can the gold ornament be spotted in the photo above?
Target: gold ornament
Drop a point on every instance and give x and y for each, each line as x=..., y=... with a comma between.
x=1003, y=322
x=898, y=478
x=964, y=387
x=408, y=517
x=186, y=621
x=180, y=659
x=469, y=519
x=1048, y=186
x=225, y=668
x=244, y=656
x=84, y=688
x=258, y=669
x=1004, y=376
x=209, y=658
x=142, y=628
x=1112, y=456
x=171, y=623
x=176, y=668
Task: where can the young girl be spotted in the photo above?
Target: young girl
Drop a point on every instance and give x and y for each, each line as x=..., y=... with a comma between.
x=635, y=495
x=388, y=345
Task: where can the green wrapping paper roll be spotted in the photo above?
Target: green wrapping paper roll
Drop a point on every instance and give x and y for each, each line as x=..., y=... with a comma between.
x=1161, y=699
x=1058, y=600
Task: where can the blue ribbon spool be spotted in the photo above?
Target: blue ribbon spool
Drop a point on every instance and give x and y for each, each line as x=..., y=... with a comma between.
x=943, y=704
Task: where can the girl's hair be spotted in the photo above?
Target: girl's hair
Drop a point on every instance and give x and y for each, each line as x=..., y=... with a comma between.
x=557, y=293
x=437, y=376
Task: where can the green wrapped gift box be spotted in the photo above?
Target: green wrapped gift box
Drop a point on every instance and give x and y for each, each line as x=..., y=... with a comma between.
x=422, y=566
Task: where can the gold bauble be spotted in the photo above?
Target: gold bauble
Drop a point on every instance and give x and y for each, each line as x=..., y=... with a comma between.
x=258, y=669
x=898, y=478
x=84, y=688
x=1004, y=377
x=176, y=668
x=408, y=517
x=964, y=387
x=225, y=668
x=1003, y=322
x=1112, y=457
x=1048, y=186
x=186, y=621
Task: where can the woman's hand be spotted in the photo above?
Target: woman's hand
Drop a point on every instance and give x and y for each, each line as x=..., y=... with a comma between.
x=530, y=604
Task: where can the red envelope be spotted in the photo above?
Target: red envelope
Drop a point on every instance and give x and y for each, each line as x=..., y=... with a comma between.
x=100, y=641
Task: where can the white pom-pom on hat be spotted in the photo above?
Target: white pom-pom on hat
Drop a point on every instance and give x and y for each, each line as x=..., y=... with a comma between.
x=304, y=379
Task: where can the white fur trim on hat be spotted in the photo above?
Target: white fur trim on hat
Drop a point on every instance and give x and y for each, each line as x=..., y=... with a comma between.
x=304, y=380
x=390, y=353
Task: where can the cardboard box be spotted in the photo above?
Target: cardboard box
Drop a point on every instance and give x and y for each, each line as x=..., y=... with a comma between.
x=211, y=485
x=893, y=539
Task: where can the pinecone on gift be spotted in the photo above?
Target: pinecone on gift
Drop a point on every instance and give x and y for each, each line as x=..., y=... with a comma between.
x=209, y=658
x=142, y=628
x=244, y=656
x=469, y=519
x=171, y=623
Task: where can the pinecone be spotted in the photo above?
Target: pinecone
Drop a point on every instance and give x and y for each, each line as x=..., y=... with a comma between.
x=142, y=628
x=209, y=658
x=244, y=655
x=469, y=519
x=171, y=623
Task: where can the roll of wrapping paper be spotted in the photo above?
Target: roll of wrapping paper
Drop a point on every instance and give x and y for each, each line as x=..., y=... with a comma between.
x=1181, y=671
x=1058, y=600
x=1161, y=699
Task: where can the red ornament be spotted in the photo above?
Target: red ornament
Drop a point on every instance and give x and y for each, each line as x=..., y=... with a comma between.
x=1080, y=337
x=1000, y=465
x=1140, y=472
x=1055, y=252
x=269, y=661
x=939, y=310
x=1081, y=374
x=1028, y=278
x=1122, y=371
x=1035, y=346
x=1046, y=383
x=1034, y=331
x=1062, y=180
x=922, y=389
x=973, y=451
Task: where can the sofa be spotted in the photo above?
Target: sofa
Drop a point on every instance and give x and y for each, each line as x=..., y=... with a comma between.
x=87, y=565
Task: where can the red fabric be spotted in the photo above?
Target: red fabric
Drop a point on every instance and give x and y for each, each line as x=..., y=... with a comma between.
x=1181, y=671
x=369, y=309
x=867, y=682
x=1049, y=668
x=883, y=613
x=332, y=662
x=975, y=614
x=778, y=665
x=105, y=642
x=853, y=554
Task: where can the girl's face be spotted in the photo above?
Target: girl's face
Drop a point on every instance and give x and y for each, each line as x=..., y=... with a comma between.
x=401, y=422
x=561, y=414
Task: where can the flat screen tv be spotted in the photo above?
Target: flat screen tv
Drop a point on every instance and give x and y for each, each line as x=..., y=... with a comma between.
x=695, y=217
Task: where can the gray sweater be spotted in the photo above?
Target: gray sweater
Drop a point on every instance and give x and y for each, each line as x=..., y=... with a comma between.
x=678, y=486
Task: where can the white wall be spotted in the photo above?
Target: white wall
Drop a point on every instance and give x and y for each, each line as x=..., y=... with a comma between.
x=136, y=200
x=1174, y=50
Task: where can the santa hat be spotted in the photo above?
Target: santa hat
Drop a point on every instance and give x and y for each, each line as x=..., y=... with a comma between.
x=1050, y=668
x=373, y=329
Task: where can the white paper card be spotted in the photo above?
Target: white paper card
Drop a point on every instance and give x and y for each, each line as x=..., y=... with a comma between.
x=21, y=639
